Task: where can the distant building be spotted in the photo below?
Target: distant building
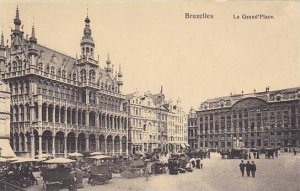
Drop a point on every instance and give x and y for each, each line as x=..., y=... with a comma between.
x=61, y=104
x=155, y=123
x=193, y=129
x=259, y=120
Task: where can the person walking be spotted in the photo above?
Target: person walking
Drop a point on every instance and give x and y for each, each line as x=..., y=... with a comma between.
x=242, y=167
x=148, y=170
x=295, y=152
x=249, y=156
x=253, y=169
x=254, y=155
x=248, y=168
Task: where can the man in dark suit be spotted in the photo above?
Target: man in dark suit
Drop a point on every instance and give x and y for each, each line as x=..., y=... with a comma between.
x=253, y=169
x=248, y=168
x=242, y=167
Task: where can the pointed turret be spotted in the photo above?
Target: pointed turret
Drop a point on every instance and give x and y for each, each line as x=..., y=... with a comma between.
x=87, y=43
x=120, y=79
x=33, y=39
x=17, y=20
x=17, y=35
x=2, y=40
x=108, y=64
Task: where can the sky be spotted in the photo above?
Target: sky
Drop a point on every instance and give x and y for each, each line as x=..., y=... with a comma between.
x=193, y=59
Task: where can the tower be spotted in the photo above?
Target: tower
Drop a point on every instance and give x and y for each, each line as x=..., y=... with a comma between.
x=87, y=43
x=17, y=34
x=120, y=80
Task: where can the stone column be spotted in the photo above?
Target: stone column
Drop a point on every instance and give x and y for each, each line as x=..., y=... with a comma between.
x=76, y=143
x=105, y=145
x=32, y=141
x=40, y=111
x=87, y=144
x=65, y=146
x=59, y=116
x=53, y=146
x=46, y=110
x=126, y=146
x=32, y=113
x=97, y=120
x=87, y=119
x=120, y=146
x=53, y=114
x=113, y=146
x=97, y=143
x=40, y=145
x=25, y=143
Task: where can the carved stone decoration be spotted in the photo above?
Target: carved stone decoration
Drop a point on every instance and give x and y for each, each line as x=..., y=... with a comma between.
x=249, y=103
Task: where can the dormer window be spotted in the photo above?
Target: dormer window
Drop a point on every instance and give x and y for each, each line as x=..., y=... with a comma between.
x=74, y=77
x=63, y=74
x=52, y=71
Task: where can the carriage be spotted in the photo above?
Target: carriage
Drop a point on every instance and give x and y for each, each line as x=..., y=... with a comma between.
x=100, y=172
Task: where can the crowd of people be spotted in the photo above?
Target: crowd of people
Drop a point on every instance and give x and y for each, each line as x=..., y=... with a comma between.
x=250, y=167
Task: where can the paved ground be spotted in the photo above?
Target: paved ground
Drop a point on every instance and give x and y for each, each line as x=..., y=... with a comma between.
x=280, y=174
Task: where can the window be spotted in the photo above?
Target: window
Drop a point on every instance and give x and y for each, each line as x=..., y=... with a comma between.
x=63, y=74
x=83, y=75
x=92, y=75
x=52, y=70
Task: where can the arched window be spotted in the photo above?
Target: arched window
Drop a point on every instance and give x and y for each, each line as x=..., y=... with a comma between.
x=83, y=75
x=74, y=76
x=19, y=65
x=14, y=66
x=92, y=75
x=52, y=70
x=63, y=74
x=40, y=67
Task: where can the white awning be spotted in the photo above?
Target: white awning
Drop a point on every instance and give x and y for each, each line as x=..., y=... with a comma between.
x=6, y=150
x=188, y=145
x=182, y=145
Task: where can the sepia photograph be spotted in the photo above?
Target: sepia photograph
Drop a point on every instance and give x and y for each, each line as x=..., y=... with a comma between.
x=150, y=95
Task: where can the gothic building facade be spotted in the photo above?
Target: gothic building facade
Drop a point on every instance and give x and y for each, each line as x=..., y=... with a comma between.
x=155, y=123
x=257, y=120
x=61, y=104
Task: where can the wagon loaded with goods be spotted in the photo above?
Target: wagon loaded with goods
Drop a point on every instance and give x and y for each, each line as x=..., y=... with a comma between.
x=134, y=169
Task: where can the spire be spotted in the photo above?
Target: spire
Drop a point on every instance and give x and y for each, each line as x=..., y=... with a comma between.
x=108, y=62
x=33, y=38
x=17, y=20
x=2, y=40
x=120, y=72
x=161, y=89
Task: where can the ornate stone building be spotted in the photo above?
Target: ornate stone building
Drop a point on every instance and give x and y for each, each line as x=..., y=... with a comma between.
x=192, y=129
x=61, y=104
x=259, y=120
x=155, y=123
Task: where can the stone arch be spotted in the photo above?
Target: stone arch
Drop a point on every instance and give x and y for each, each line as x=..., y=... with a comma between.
x=71, y=142
x=92, y=142
x=22, y=142
x=47, y=141
x=109, y=141
x=16, y=142
x=117, y=144
x=124, y=144
x=92, y=118
x=59, y=143
x=102, y=143
x=81, y=142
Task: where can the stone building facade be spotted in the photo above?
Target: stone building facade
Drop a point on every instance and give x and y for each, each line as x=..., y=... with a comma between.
x=155, y=123
x=257, y=120
x=61, y=104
